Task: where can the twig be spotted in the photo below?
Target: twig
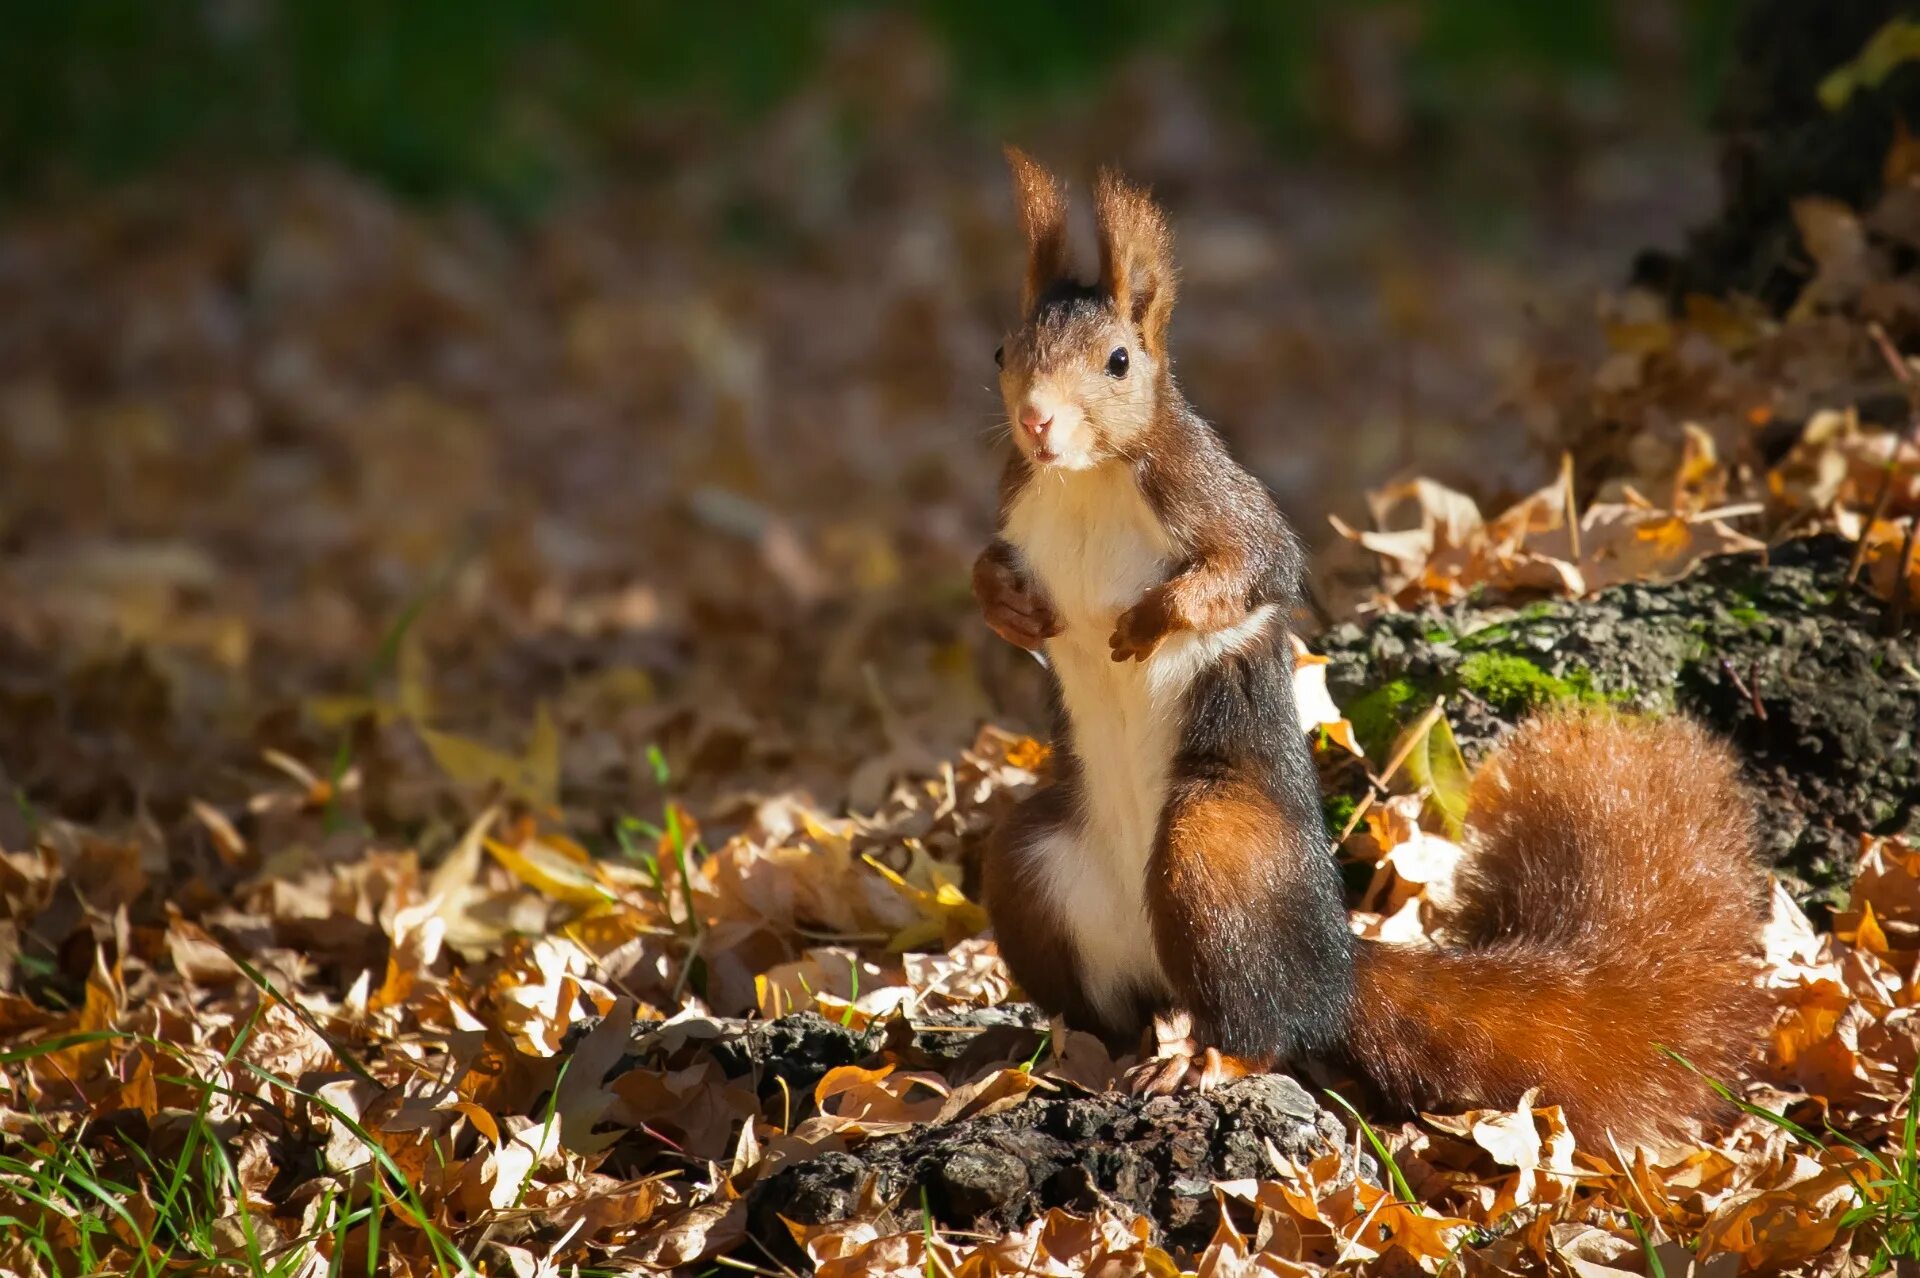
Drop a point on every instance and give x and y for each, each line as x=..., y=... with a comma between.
x=1903, y=580
x=1359, y=812
x=1378, y=784
x=1412, y=739
x=1904, y=373
x=1572, y=511
x=1745, y=691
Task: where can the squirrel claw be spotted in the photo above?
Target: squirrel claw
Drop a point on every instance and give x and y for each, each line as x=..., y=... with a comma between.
x=1165, y=1075
x=1013, y=608
x=1028, y=628
x=1128, y=648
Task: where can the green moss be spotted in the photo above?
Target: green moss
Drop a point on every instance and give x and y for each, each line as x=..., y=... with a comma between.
x=1439, y=634
x=1579, y=680
x=1486, y=635
x=1513, y=685
x=1378, y=716
x=1338, y=809
x=1746, y=615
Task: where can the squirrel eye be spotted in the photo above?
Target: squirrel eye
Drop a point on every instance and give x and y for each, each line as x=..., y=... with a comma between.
x=1117, y=362
x=999, y=357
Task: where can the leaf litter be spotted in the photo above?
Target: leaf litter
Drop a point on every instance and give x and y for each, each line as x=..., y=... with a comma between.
x=311, y=962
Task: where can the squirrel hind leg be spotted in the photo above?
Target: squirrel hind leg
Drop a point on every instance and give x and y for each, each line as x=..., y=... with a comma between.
x=1248, y=922
x=1032, y=937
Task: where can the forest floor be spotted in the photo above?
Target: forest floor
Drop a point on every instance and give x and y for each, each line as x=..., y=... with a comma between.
x=432, y=651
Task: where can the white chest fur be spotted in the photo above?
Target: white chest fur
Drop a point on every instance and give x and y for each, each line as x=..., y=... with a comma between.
x=1096, y=546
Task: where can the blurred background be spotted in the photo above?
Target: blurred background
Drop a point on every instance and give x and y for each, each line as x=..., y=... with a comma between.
x=628, y=366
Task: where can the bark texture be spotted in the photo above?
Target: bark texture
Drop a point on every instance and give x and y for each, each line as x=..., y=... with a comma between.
x=1778, y=142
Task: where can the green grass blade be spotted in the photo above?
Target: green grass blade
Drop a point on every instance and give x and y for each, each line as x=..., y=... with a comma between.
x=1400, y=1185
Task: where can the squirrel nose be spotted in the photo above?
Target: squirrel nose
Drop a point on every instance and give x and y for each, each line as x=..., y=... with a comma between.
x=1036, y=423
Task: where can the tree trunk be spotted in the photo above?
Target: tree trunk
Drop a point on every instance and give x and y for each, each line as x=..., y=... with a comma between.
x=1778, y=142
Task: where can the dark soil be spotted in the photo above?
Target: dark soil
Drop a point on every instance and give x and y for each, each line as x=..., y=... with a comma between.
x=1822, y=706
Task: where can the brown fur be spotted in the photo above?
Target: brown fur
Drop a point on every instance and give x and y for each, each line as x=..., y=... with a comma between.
x=1216, y=837
x=1136, y=256
x=1042, y=206
x=1240, y=553
x=1213, y=592
x=1609, y=908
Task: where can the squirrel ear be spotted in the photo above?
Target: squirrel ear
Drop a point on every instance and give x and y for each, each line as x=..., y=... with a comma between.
x=1042, y=205
x=1136, y=256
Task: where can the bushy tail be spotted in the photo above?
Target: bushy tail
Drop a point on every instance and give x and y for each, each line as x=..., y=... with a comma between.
x=1610, y=906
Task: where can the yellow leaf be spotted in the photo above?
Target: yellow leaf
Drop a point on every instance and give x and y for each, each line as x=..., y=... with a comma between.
x=1891, y=45
x=1028, y=754
x=1646, y=338
x=1866, y=932
x=1159, y=1264
x=415, y=695
x=533, y=777
x=551, y=871
x=470, y=762
x=915, y=935
x=946, y=914
x=1435, y=762
x=1731, y=327
x=483, y=1121
x=615, y=687
x=336, y=712
x=845, y=1078
x=543, y=757
x=1666, y=537
x=412, y=700
x=79, y=1062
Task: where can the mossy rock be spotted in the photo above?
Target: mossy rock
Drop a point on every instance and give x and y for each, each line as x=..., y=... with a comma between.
x=1822, y=706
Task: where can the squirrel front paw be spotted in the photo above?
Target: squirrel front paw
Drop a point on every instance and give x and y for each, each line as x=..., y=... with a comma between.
x=1016, y=610
x=1142, y=627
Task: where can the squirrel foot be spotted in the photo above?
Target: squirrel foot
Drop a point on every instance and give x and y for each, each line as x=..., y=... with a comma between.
x=1182, y=1069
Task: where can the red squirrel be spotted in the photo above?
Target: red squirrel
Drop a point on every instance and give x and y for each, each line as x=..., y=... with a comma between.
x=1178, y=859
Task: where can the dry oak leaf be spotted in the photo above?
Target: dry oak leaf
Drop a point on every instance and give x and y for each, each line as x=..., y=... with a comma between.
x=1795, y=1221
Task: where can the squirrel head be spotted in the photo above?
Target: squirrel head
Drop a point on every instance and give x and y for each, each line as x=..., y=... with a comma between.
x=1086, y=374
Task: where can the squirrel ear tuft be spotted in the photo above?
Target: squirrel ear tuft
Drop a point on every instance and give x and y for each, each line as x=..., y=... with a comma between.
x=1042, y=205
x=1136, y=256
